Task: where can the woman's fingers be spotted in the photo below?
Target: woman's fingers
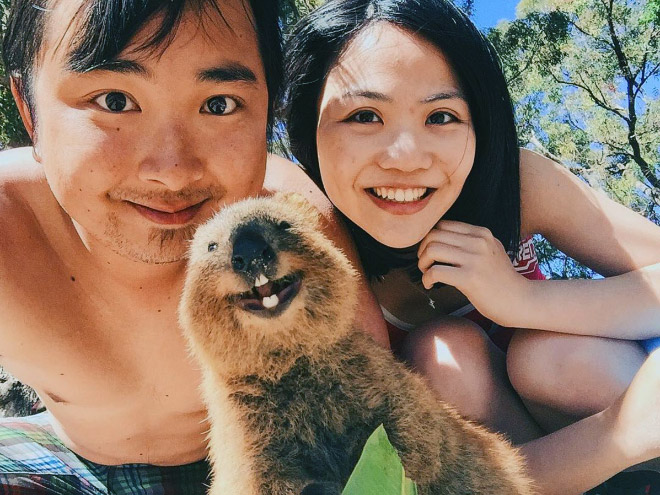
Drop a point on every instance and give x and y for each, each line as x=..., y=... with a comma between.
x=444, y=274
x=437, y=252
x=476, y=240
x=463, y=228
x=444, y=237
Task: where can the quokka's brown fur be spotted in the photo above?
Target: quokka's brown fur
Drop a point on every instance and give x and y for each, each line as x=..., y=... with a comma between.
x=293, y=397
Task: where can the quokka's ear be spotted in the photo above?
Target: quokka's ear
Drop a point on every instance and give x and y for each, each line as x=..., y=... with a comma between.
x=301, y=206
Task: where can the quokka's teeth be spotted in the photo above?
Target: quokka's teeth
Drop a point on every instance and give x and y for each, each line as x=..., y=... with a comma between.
x=262, y=280
x=271, y=301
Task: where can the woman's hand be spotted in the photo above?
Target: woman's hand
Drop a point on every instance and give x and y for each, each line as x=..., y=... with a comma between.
x=472, y=260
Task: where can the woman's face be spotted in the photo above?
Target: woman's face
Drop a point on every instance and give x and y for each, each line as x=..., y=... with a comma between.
x=395, y=138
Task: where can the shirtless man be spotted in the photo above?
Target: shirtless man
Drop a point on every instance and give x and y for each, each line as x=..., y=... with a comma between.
x=142, y=126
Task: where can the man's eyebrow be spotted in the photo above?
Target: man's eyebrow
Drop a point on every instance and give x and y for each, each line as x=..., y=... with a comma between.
x=372, y=95
x=120, y=66
x=231, y=72
x=445, y=95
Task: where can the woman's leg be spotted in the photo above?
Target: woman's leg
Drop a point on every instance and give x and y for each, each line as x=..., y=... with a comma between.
x=469, y=372
x=563, y=378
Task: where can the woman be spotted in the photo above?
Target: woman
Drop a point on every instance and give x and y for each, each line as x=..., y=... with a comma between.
x=413, y=139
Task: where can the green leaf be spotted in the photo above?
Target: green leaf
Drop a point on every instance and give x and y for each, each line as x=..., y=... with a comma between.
x=379, y=470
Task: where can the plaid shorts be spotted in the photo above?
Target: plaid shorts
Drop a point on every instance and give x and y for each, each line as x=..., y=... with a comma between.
x=34, y=461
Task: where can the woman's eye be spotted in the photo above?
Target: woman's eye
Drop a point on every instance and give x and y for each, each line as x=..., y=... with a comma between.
x=439, y=118
x=220, y=105
x=115, y=102
x=364, y=117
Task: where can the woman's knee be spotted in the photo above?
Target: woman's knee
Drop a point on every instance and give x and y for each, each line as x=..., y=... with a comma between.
x=576, y=374
x=447, y=342
x=456, y=357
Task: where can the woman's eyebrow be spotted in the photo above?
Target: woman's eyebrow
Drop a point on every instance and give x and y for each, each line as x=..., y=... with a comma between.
x=375, y=95
x=445, y=95
x=372, y=95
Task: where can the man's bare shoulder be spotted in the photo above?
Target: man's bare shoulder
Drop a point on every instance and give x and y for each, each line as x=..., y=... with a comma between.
x=20, y=177
x=23, y=192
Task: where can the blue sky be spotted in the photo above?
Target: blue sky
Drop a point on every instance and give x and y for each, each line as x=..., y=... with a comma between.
x=489, y=12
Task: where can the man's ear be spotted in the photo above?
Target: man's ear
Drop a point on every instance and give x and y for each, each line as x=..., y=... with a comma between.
x=23, y=108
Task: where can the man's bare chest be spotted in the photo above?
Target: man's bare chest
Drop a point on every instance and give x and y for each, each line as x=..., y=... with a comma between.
x=81, y=345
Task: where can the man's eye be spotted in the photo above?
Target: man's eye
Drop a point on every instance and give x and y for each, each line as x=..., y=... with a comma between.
x=115, y=102
x=440, y=118
x=220, y=105
x=364, y=117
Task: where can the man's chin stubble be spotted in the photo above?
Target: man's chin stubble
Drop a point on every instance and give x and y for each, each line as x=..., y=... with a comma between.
x=162, y=246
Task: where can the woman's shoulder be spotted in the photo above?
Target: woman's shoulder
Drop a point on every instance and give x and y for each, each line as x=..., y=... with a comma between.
x=583, y=221
x=548, y=192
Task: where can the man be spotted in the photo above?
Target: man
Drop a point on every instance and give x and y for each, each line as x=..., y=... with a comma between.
x=145, y=117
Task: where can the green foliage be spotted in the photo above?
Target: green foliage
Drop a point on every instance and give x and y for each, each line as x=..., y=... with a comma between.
x=12, y=132
x=652, y=12
x=292, y=10
x=585, y=77
x=466, y=6
x=379, y=470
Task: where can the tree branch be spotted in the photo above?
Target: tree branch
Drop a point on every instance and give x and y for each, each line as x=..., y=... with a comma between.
x=522, y=71
x=588, y=34
x=592, y=95
x=645, y=78
x=616, y=43
x=621, y=150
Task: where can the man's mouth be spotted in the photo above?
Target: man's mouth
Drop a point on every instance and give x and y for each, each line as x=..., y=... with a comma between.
x=168, y=214
x=270, y=298
x=401, y=195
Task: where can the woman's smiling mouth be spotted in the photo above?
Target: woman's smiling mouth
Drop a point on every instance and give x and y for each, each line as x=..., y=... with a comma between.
x=400, y=195
x=400, y=201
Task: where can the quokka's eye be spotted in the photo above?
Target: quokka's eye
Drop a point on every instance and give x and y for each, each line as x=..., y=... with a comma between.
x=213, y=246
x=284, y=225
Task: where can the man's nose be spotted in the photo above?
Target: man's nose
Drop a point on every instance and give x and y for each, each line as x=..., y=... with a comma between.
x=171, y=159
x=405, y=151
x=252, y=255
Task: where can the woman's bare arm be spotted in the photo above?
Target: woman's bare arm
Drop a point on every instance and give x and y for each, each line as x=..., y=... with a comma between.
x=607, y=237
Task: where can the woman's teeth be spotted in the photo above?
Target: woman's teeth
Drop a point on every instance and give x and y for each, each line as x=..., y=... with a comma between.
x=400, y=195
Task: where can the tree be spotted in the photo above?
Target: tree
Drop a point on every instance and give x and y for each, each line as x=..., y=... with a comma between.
x=585, y=75
x=12, y=132
x=585, y=79
x=466, y=6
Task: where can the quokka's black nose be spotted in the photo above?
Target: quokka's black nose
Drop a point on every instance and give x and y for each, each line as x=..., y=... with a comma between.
x=251, y=253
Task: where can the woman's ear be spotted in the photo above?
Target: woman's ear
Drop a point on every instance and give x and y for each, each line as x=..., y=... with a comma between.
x=23, y=107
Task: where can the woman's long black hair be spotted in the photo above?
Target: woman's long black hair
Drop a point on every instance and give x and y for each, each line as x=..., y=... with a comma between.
x=491, y=194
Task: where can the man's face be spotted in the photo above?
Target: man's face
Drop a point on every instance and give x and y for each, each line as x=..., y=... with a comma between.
x=138, y=157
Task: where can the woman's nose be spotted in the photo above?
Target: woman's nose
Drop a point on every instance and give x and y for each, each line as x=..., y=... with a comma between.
x=405, y=152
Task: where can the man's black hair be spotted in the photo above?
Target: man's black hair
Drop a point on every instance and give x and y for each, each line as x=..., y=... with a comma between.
x=106, y=27
x=491, y=194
